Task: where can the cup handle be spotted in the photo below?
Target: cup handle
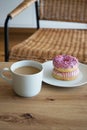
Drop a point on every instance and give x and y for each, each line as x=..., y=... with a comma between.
x=5, y=77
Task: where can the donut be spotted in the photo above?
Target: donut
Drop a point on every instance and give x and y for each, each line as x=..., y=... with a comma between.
x=65, y=75
x=65, y=67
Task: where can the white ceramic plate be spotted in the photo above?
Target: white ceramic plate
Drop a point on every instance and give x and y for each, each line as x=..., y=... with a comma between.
x=48, y=78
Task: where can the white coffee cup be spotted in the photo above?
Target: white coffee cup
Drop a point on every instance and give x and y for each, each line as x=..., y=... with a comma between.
x=26, y=85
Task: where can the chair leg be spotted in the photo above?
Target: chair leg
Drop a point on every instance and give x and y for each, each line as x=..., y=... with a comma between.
x=6, y=38
x=37, y=15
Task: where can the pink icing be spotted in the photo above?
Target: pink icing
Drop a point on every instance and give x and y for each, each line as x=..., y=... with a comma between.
x=66, y=74
x=65, y=61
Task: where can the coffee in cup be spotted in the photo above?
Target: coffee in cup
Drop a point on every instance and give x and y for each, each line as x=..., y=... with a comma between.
x=26, y=70
x=26, y=77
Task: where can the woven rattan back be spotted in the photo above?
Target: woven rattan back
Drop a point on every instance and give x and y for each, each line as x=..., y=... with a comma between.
x=64, y=10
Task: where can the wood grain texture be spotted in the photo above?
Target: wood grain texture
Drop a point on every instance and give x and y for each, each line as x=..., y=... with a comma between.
x=53, y=108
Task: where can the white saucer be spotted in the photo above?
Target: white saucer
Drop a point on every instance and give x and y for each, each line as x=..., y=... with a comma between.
x=47, y=76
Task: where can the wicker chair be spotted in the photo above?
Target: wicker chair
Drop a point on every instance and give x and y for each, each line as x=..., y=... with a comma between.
x=46, y=43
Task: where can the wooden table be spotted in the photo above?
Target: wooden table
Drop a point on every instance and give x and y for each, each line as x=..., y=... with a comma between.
x=53, y=108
